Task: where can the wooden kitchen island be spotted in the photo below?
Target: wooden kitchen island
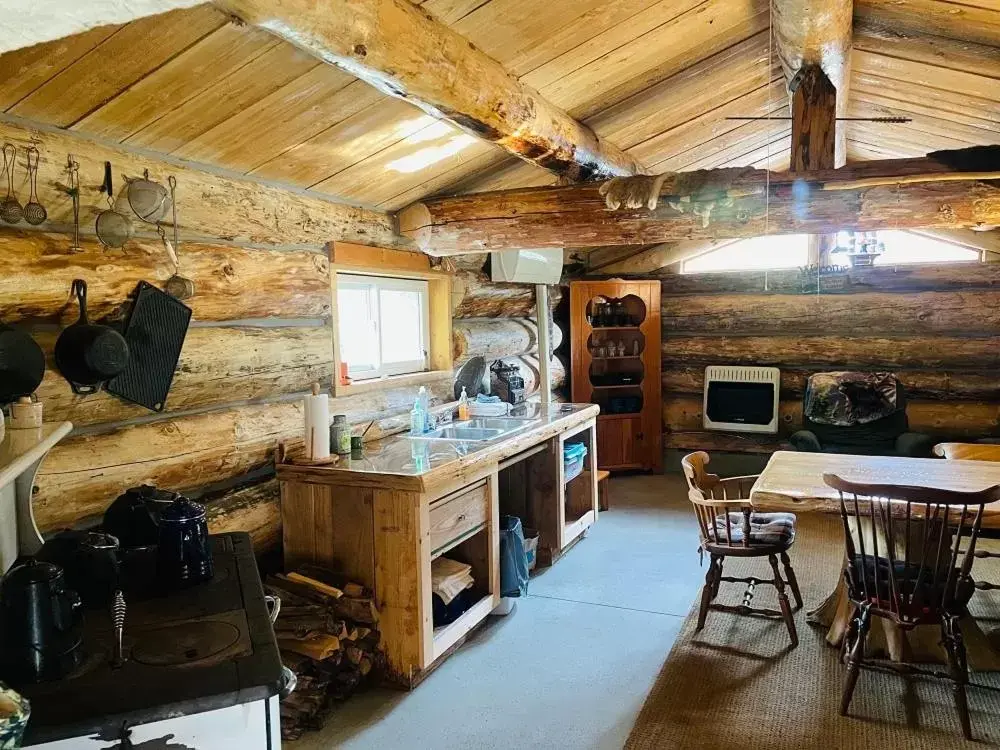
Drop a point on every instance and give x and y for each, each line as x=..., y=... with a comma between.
x=382, y=519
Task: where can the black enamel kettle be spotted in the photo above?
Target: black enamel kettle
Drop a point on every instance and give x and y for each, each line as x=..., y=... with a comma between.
x=41, y=624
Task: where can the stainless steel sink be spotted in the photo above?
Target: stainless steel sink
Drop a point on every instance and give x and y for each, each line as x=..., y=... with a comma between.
x=478, y=429
x=507, y=424
x=461, y=432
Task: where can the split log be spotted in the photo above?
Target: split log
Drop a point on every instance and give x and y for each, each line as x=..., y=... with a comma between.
x=406, y=52
x=834, y=352
x=230, y=283
x=493, y=338
x=919, y=313
x=210, y=206
x=255, y=509
x=217, y=366
x=898, y=279
x=946, y=189
x=965, y=419
x=932, y=385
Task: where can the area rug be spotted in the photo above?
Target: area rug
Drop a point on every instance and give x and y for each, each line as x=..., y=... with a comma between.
x=738, y=684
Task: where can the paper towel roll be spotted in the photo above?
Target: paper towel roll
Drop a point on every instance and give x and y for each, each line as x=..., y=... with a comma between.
x=317, y=426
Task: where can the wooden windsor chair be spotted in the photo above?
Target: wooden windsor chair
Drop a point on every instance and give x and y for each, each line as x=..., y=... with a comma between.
x=906, y=563
x=730, y=527
x=975, y=452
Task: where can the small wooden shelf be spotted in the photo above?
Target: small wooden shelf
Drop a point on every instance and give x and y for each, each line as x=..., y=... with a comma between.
x=623, y=385
x=627, y=356
x=447, y=636
x=614, y=328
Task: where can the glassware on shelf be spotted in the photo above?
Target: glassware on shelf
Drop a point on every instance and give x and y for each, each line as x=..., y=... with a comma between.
x=621, y=348
x=635, y=348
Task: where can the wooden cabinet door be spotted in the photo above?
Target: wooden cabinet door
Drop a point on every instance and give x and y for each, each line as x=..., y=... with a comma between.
x=620, y=443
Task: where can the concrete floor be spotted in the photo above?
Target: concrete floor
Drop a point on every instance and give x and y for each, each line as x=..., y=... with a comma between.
x=572, y=665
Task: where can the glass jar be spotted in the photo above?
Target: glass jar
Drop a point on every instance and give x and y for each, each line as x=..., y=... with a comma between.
x=340, y=435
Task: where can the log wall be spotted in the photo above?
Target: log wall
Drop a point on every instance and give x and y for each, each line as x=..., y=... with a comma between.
x=937, y=327
x=261, y=334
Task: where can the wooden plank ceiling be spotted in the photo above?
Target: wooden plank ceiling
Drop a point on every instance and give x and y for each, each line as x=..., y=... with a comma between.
x=657, y=78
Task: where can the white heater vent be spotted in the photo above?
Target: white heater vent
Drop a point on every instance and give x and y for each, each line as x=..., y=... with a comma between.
x=741, y=399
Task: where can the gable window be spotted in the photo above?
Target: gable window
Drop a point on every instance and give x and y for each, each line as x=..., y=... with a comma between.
x=757, y=254
x=884, y=248
x=383, y=325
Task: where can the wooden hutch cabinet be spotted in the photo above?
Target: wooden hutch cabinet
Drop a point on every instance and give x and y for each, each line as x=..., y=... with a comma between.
x=615, y=347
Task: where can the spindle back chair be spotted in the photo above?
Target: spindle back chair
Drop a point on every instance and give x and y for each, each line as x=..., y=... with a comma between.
x=909, y=559
x=729, y=526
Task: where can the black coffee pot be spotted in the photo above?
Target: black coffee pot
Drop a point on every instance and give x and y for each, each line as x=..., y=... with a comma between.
x=41, y=624
x=90, y=562
x=184, y=552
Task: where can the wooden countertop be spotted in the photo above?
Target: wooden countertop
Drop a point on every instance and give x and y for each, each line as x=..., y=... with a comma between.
x=403, y=463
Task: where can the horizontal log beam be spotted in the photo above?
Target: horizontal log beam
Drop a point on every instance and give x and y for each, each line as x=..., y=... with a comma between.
x=836, y=352
x=406, y=52
x=230, y=283
x=255, y=509
x=210, y=205
x=928, y=385
x=946, y=189
x=475, y=296
x=84, y=473
x=217, y=366
x=965, y=419
x=493, y=338
x=894, y=280
x=919, y=314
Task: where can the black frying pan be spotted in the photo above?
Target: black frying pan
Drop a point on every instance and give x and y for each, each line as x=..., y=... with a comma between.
x=22, y=364
x=88, y=354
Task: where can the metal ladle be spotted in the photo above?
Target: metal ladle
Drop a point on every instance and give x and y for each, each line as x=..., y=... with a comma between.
x=10, y=209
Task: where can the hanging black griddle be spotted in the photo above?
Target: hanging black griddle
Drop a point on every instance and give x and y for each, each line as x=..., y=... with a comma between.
x=155, y=332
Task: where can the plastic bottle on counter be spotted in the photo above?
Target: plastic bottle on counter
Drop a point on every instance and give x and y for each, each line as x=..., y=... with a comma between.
x=418, y=419
x=425, y=407
x=463, y=406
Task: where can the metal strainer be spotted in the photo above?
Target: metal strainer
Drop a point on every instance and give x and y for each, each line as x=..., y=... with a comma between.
x=113, y=228
x=146, y=199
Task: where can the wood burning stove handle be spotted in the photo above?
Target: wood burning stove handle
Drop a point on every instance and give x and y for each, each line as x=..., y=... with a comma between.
x=273, y=604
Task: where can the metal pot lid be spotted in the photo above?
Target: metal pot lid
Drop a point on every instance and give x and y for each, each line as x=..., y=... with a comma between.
x=181, y=510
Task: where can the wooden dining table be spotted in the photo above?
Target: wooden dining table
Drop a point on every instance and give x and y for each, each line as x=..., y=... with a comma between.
x=793, y=482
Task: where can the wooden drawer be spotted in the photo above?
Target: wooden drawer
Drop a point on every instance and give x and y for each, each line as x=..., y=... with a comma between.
x=453, y=517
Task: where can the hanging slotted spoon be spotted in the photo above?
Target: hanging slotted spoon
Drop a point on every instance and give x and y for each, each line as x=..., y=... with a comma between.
x=34, y=212
x=10, y=209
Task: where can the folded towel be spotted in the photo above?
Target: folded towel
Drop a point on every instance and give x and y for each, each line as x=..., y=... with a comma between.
x=482, y=398
x=449, y=578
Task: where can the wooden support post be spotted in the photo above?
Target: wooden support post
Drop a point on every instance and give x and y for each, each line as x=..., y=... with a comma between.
x=814, y=137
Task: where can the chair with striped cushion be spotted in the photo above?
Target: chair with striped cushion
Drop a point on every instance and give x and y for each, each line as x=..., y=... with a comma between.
x=730, y=527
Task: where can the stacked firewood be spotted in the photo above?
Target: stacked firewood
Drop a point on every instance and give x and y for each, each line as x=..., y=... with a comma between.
x=328, y=635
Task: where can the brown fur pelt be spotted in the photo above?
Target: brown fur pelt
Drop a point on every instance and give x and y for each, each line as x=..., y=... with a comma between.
x=633, y=192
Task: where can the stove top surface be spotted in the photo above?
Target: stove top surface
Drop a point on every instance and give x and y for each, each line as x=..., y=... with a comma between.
x=199, y=649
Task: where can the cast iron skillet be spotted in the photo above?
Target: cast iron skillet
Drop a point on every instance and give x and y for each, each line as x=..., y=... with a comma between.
x=88, y=354
x=22, y=364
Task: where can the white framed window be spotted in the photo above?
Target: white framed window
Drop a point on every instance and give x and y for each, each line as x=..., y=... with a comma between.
x=384, y=325
x=768, y=253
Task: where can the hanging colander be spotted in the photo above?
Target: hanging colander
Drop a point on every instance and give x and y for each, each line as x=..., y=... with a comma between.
x=142, y=197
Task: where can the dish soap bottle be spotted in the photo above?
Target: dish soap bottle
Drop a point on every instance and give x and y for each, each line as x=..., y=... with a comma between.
x=425, y=407
x=463, y=406
x=418, y=420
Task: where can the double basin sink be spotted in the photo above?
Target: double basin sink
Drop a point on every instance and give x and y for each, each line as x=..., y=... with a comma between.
x=478, y=430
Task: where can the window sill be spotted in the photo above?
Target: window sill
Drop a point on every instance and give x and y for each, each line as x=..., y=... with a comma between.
x=393, y=381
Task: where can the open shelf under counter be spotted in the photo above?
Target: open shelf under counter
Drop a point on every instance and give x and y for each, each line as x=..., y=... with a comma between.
x=447, y=636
